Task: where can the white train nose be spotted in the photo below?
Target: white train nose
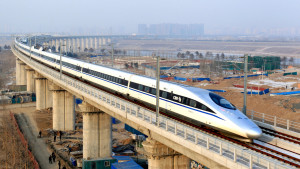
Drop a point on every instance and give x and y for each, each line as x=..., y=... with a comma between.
x=254, y=132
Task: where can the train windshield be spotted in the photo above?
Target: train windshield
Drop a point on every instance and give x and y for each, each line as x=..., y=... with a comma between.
x=221, y=101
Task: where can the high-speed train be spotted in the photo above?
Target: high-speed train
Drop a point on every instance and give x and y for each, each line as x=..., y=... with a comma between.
x=195, y=105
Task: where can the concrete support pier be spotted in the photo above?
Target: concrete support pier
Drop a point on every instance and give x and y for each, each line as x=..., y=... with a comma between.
x=43, y=94
x=30, y=80
x=18, y=73
x=23, y=76
x=63, y=109
x=40, y=93
x=49, y=96
x=97, y=142
x=161, y=156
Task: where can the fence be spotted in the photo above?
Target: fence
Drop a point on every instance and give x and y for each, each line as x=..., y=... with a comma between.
x=247, y=76
x=286, y=93
x=136, y=113
x=257, y=90
x=274, y=121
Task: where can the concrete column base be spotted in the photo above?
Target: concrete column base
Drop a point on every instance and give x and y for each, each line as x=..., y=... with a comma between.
x=161, y=156
x=30, y=80
x=18, y=73
x=40, y=93
x=63, y=110
x=23, y=75
x=97, y=142
x=43, y=94
x=49, y=97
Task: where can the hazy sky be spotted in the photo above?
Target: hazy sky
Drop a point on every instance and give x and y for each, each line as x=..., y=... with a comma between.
x=124, y=15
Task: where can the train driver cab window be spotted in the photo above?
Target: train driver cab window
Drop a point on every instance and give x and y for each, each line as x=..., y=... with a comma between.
x=164, y=94
x=221, y=101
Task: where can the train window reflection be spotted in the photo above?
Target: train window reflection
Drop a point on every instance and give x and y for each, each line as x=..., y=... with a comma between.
x=221, y=101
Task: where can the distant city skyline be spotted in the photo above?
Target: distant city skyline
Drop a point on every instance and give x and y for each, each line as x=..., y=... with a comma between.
x=171, y=29
x=93, y=17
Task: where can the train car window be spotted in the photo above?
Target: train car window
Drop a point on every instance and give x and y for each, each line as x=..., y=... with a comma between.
x=153, y=91
x=133, y=85
x=203, y=107
x=170, y=96
x=187, y=100
x=176, y=98
x=140, y=87
x=125, y=82
x=183, y=100
x=164, y=94
x=193, y=103
x=104, y=76
x=147, y=89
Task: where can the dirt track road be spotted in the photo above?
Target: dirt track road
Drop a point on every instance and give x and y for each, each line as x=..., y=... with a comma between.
x=27, y=124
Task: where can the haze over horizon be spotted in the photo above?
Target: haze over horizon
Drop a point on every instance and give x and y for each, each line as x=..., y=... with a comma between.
x=231, y=17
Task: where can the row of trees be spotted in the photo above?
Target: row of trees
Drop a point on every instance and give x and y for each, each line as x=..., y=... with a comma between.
x=198, y=55
x=285, y=61
x=5, y=47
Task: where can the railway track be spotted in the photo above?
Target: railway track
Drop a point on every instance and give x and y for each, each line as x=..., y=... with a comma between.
x=281, y=135
x=255, y=147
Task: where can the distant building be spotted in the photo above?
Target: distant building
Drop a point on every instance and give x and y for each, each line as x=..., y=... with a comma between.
x=171, y=29
x=142, y=29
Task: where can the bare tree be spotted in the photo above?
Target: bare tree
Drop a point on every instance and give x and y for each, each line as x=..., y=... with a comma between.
x=192, y=56
x=222, y=56
x=200, y=55
x=91, y=50
x=178, y=55
x=291, y=60
x=53, y=49
x=218, y=57
x=187, y=53
x=283, y=61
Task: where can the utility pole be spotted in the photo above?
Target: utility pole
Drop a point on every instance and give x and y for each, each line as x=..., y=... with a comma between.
x=112, y=55
x=30, y=46
x=245, y=83
x=60, y=63
x=157, y=88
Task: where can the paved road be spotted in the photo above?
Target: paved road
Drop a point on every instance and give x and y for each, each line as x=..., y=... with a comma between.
x=38, y=146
